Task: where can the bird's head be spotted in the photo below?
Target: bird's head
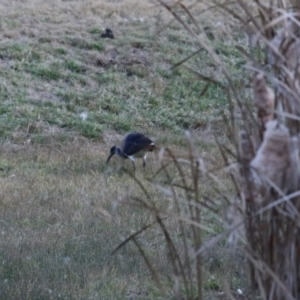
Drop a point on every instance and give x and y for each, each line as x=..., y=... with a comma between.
x=113, y=150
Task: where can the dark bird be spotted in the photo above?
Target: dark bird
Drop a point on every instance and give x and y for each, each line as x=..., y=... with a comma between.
x=108, y=34
x=134, y=145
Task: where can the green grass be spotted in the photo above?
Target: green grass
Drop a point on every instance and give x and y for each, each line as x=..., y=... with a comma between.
x=139, y=88
x=45, y=73
x=74, y=67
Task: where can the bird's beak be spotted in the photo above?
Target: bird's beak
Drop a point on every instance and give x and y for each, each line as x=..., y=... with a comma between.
x=109, y=157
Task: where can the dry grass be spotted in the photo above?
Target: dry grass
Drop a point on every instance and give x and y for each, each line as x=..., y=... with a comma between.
x=61, y=217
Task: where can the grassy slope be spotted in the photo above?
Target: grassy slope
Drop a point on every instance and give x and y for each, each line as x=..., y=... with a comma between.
x=55, y=189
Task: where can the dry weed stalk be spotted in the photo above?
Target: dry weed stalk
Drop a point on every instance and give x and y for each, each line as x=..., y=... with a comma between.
x=264, y=100
x=268, y=154
x=272, y=231
x=186, y=213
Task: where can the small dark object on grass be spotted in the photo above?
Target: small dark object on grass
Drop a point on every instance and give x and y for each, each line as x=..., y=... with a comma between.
x=108, y=34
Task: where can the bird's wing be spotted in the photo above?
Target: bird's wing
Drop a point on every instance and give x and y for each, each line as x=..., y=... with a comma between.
x=134, y=143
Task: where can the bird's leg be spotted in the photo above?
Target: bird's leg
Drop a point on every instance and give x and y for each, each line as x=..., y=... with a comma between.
x=133, y=166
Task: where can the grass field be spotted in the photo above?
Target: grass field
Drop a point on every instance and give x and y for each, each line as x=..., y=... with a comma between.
x=67, y=96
